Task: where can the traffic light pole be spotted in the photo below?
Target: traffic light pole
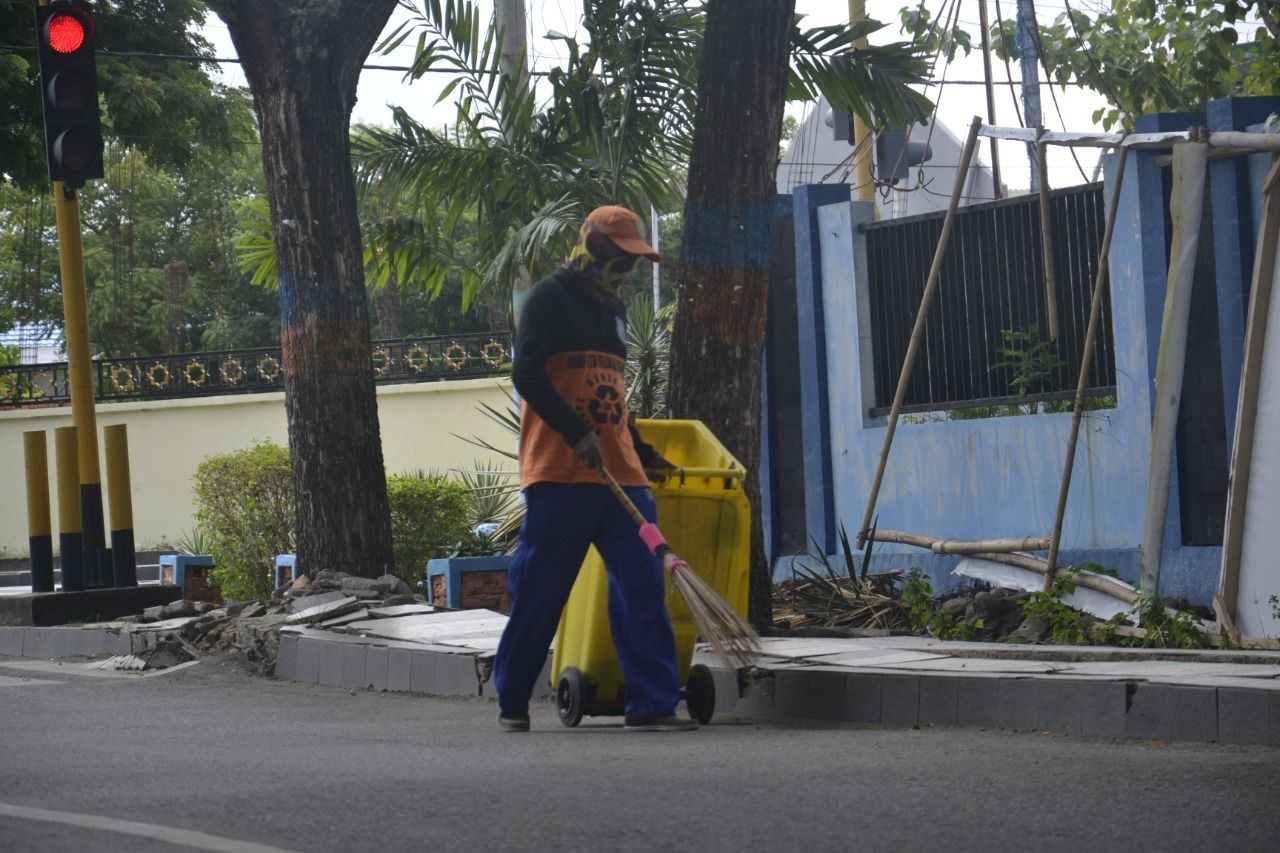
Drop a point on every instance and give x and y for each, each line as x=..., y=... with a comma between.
x=865, y=188
x=76, y=317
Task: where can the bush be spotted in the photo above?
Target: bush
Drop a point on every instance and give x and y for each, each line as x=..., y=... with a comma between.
x=430, y=514
x=245, y=511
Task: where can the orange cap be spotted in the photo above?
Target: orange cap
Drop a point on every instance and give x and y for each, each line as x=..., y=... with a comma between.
x=623, y=228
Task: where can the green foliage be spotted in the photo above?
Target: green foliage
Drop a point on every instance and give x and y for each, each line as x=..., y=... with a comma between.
x=1167, y=629
x=1031, y=359
x=1147, y=56
x=169, y=109
x=916, y=595
x=1067, y=626
x=495, y=511
x=429, y=515
x=648, y=372
x=245, y=508
x=193, y=542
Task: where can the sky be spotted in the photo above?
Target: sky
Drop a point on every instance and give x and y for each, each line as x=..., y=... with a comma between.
x=379, y=90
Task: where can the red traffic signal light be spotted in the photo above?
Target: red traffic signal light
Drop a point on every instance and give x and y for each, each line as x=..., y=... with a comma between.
x=69, y=91
x=67, y=31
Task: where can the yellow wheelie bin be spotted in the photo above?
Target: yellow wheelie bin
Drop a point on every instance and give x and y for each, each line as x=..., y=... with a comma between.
x=704, y=514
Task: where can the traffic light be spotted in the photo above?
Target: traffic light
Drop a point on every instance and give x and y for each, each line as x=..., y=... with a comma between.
x=895, y=154
x=69, y=91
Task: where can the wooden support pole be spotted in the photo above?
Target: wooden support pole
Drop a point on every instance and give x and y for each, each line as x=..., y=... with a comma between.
x=1086, y=364
x=1260, y=293
x=917, y=332
x=39, y=526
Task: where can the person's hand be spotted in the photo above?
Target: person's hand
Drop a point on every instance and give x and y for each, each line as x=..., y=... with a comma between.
x=658, y=466
x=588, y=451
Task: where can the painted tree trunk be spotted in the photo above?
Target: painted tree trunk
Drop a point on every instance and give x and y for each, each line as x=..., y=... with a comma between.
x=302, y=63
x=722, y=289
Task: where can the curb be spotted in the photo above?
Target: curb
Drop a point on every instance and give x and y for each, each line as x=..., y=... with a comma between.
x=1091, y=707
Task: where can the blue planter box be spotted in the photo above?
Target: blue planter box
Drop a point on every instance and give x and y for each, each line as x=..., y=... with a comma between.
x=190, y=572
x=469, y=583
x=286, y=571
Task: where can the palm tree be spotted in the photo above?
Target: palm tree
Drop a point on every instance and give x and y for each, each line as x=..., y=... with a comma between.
x=616, y=128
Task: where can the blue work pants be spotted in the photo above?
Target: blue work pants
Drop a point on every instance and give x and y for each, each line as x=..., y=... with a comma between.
x=561, y=521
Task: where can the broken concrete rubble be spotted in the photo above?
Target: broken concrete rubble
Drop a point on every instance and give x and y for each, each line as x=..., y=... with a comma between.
x=250, y=630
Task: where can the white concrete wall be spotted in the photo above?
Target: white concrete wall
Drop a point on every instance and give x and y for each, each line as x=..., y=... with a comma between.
x=168, y=439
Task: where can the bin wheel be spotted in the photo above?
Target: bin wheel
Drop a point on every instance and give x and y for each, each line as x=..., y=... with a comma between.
x=700, y=694
x=571, y=696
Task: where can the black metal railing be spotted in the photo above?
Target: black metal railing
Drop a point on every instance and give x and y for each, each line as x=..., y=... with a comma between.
x=247, y=371
x=991, y=296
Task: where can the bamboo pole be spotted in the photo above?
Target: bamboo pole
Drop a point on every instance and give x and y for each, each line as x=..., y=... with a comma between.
x=958, y=546
x=1046, y=239
x=1097, y=583
x=917, y=332
x=1086, y=363
x=1260, y=292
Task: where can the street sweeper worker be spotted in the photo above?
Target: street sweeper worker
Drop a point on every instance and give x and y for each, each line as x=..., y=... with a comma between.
x=569, y=359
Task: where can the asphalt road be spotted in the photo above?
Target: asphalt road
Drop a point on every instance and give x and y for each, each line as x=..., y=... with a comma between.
x=207, y=759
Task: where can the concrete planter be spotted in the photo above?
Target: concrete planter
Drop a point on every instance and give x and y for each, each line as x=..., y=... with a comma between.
x=468, y=583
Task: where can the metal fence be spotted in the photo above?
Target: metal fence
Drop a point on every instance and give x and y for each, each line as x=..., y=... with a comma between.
x=250, y=371
x=991, y=297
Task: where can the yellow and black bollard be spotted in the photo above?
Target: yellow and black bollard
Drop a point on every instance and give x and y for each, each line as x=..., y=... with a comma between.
x=70, y=538
x=39, y=528
x=123, y=559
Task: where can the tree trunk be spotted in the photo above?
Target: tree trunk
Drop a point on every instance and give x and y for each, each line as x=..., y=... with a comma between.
x=302, y=62
x=723, y=285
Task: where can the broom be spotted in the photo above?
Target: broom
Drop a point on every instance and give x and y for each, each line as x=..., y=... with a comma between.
x=732, y=639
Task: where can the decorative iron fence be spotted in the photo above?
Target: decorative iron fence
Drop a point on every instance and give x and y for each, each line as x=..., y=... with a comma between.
x=990, y=299
x=250, y=371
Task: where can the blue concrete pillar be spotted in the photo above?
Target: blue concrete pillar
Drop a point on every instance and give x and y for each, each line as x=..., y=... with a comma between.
x=1235, y=231
x=811, y=327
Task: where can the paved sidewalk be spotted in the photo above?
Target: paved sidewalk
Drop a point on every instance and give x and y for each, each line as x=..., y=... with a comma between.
x=1099, y=692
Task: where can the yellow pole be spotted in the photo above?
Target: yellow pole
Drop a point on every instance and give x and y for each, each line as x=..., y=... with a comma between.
x=70, y=538
x=866, y=190
x=76, y=317
x=123, y=560
x=39, y=527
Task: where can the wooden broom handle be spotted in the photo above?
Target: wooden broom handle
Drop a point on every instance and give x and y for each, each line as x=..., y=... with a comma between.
x=623, y=499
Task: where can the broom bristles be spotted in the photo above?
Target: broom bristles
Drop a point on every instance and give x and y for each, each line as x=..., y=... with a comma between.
x=732, y=639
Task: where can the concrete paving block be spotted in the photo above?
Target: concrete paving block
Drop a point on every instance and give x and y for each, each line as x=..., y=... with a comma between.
x=726, y=682
x=809, y=694
x=978, y=702
x=309, y=650
x=46, y=643
x=1244, y=716
x=455, y=675
x=1033, y=703
x=330, y=671
x=756, y=701
x=399, y=662
x=900, y=699
x=11, y=641
x=287, y=658
x=353, y=659
x=422, y=671
x=1172, y=713
x=376, y=666
x=862, y=697
x=1102, y=708
x=939, y=700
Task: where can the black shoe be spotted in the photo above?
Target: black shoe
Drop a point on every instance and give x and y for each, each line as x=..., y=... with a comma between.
x=658, y=723
x=513, y=722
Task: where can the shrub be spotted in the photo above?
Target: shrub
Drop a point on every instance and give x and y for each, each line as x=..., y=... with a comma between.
x=245, y=511
x=429, y=515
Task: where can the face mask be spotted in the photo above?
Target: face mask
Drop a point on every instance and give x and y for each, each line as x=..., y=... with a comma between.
x=606, y=264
